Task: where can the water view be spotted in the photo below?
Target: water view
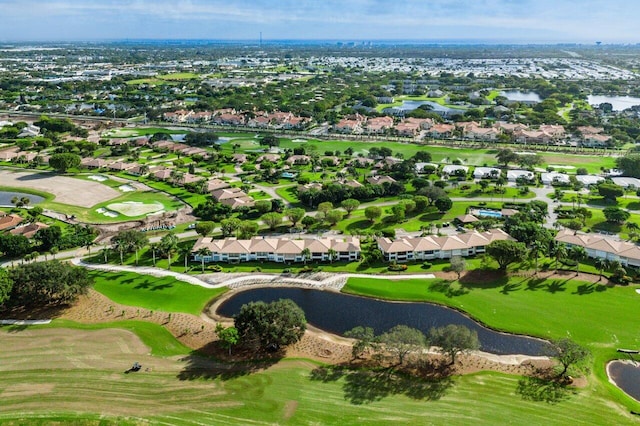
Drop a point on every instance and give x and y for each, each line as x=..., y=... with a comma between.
x=518, y=96
x=337, y=313
x=626, y=376
x=7, y=196
x=411, y=105
x=619, y=103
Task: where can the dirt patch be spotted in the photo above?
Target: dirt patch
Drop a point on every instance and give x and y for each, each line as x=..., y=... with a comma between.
x=289, y=409
x=67, y=190
x=27, y=389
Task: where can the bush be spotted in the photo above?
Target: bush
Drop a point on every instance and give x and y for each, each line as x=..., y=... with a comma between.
x=397, y=268
x=427, y=265
x=306, y=268
x=216, y=268
x=389, y=233
x=257, y=269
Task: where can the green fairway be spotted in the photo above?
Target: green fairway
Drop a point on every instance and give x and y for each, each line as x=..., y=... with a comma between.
x=83, y=376
x=160, y=294
x=592, y=314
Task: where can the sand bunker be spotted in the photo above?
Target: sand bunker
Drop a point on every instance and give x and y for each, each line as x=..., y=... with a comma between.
x=132, y=208
x=98, y=178
x=106, y=212
x=67, y=190
x=126, y=188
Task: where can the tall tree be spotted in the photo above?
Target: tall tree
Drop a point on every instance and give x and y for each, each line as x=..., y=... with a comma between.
x=64, y=161
x=294, y=215
x=570, y=355
x=402, y=340
x=270, y=325
x=228, y=336
x=506, y=252
x=453, y=339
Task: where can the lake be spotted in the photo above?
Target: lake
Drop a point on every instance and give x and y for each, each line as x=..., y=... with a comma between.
x=411, y=105
x=7, y=196
x=518, y=96
x=619, y=103
x=626, y=376
x=337, y=313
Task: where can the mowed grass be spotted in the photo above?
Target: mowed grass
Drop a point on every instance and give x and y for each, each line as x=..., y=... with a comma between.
x=80, y=374
x=549, y=308
x=160, y=294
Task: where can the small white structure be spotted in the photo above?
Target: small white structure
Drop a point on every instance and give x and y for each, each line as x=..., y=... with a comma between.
x=513, y=175
x=485, y=172
x=554, y=178
x=419, y=167
x=452, y=168
x=588, y=180
x=626, y=182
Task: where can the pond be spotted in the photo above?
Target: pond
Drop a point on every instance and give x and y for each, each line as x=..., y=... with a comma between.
x=626, y=376
x=518, y=96
x=411, y=105
x=337, y=313
x=7, y=196
x=618, y=103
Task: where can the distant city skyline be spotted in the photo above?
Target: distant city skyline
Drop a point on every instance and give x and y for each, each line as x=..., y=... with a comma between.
x=508, y=21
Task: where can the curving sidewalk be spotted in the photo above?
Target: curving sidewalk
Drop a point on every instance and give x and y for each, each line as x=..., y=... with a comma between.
x=156, y=272
x=335, y=281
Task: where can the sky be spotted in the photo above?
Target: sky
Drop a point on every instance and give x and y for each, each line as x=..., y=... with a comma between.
x=516, y=21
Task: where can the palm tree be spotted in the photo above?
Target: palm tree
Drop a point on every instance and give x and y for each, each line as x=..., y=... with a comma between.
x=169, y=244
x=536, y=247
x=203, y=252
x=154, y=247
x=185, y=251
x=577, y=253
x=560, y=253
x=601, y=264
x=105, y=252
x=332, y=254
x=54, y=251
x=306, y=254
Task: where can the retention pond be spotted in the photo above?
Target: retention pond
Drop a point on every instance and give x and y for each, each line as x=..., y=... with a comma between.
x=337, y=313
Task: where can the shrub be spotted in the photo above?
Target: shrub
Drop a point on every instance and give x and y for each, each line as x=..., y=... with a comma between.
x=427, y=265
x=397, y=268
x=216, y=268
x=389, y=233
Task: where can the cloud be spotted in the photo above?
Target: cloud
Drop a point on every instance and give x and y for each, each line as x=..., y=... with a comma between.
x=325, y=18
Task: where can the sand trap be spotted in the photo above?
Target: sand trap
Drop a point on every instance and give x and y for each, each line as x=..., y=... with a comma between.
x=126, y=188
x=67, y=190
x=559, y=166
x=299, y=141
x=98, y=178
x=106, y=212
x=132, y=208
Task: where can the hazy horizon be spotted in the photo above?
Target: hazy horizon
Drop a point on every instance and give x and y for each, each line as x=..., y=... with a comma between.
x=452, y=21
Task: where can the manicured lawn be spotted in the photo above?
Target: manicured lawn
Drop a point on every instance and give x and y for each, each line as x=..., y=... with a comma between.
x=159, y=294
x=74, y=382
x=593, y=314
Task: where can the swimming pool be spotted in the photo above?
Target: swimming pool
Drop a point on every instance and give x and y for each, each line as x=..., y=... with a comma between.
x=490, y=213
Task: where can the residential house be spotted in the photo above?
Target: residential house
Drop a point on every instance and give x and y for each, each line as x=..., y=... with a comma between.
x=598, y=246
x=380, y=179
x=441, y=130
x=9, y=221
x=298, y=159
x=433, y=247
x=28, y=230
x=486, y=172
x=278, y=249
x=514, y=175
x=378, y=125
x=215, y=183
x=554, y=178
